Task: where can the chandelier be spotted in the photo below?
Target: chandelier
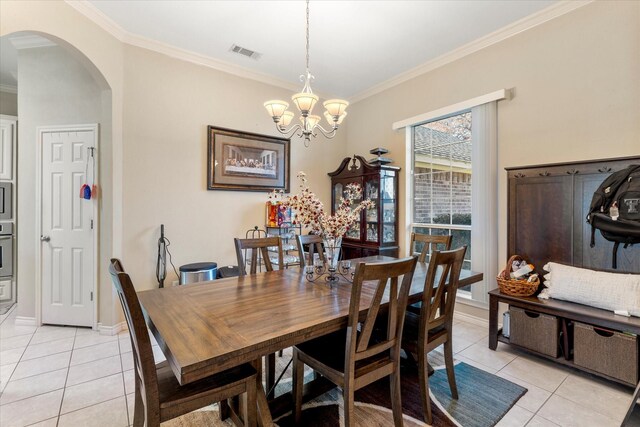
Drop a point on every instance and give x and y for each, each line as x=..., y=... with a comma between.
x=305, y=101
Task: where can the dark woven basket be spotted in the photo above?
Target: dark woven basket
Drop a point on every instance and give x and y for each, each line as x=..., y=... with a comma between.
x=515, y=287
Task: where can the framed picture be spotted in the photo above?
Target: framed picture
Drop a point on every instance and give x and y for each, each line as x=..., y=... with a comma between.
x=242, y=161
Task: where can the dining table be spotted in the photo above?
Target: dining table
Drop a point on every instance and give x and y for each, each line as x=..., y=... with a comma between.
x=208, y=327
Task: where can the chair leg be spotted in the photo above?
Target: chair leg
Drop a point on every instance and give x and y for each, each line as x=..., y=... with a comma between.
x=349, y=409
x=250, y=405
x=270, y=373
x=298, y=383
x=138, y=409
x=396, y=401
x=224, y=409
x=451, y=374
x=423, y=366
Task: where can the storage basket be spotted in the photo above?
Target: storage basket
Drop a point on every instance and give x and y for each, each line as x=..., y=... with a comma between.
x=534, y=331
x=609, y=352
x=515, y=287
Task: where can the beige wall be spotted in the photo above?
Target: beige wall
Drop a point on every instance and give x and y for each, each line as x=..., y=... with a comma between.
x=8, y=103
x=168, y=105
x=577, y=92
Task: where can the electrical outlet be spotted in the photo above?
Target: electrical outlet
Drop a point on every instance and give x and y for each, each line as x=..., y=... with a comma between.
x=175, y=283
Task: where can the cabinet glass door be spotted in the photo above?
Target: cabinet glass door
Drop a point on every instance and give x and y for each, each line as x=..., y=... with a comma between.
x=388, y=200
x=372, y=191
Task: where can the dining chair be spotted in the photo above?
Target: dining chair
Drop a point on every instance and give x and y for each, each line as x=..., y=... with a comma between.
x=158, y=395
x=350, y=358
x=430, y=244
x=252, y=248
x=314, y=242
x=434, y=325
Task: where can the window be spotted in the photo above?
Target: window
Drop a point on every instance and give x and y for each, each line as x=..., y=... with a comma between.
x=442, y=171
x=454, y=165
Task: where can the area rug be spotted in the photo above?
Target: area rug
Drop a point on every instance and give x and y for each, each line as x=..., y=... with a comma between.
x=483, y=400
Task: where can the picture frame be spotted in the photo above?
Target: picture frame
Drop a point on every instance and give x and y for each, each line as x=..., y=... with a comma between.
x=244, y=161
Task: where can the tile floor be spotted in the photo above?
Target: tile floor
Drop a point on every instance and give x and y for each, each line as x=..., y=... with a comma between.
x=65, y=376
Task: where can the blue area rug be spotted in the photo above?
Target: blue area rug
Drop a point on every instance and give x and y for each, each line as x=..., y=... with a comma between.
x=483, y=398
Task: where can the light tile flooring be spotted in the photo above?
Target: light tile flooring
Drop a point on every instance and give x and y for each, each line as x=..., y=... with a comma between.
x=64, y=376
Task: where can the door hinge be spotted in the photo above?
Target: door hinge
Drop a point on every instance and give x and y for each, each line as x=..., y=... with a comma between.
x=91, y=295
x=92, y=224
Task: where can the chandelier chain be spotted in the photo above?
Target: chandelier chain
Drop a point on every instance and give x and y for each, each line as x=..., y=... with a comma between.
x=307, y=29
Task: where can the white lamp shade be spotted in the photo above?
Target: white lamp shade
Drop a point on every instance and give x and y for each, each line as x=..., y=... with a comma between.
x=336, y=107
x=286, y=118
x=305, y=101
x=342, y=116
x=311, y=122
x=329, y=117
x=276, y=107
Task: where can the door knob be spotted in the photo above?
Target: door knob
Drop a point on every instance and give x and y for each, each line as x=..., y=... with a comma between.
x=45, y=238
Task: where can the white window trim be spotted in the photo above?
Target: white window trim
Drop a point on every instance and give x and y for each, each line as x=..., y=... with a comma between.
x=488, y=263
x=440, y=113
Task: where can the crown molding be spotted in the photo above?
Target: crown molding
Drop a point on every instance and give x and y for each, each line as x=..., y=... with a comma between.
x=540, y=17
x=30, y=42
x=99, y=18
x=110, y=26
x=8, y=88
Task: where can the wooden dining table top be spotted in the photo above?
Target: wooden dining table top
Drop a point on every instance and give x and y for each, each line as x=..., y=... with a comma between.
x=205, y=328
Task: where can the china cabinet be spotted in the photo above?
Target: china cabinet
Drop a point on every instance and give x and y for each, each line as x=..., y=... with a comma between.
x=376, y=233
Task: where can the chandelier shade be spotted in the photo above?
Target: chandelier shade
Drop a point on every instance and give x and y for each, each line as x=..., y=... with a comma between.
x=276, y=107
x=305, y=100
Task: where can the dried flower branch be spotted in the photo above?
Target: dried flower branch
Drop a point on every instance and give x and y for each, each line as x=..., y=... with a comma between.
x=310, y=210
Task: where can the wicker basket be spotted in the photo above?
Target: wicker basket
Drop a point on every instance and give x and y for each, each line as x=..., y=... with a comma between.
x=515, y=287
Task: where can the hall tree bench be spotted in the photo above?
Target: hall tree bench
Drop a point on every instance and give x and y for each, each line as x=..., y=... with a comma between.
x=547, y=208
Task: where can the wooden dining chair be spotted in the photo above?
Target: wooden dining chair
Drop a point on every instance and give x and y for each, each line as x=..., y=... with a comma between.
x=434, y=325
x=158, y=395
x=314, y=242
x=430, y=244
x=350, y=358
x=252, y=248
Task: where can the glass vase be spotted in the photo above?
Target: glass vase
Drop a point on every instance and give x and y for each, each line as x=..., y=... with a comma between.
x=332, y=251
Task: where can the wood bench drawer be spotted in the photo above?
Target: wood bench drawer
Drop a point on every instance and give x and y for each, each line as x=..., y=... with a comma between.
x=609, y=352
x=534, y=331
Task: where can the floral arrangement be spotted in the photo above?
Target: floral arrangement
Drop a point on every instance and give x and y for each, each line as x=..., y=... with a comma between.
x=310, y=210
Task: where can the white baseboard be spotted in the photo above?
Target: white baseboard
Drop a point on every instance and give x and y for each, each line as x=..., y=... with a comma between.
x=471, y=319
x=25, y=321
x=112, y=330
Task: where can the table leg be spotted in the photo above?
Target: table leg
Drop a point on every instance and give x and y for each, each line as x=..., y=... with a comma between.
x=493, y=322
x=264, y=414
x=270, y=374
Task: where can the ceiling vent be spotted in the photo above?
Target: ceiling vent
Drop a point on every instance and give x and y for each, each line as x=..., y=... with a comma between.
x=245, y=52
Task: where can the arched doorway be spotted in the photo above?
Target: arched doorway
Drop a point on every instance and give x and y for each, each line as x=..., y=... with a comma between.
x=59, y=88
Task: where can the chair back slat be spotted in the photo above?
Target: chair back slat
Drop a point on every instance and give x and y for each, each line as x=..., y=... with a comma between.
x=144, y=363
x=430, y=244
x=253, y=246
x=314, y=242
x=385, y=279
x=438, y=302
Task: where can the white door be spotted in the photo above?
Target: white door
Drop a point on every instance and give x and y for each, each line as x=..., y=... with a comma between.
x=67, y=239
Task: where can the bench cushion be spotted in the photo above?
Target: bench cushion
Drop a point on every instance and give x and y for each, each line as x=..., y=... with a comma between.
x=609, y=291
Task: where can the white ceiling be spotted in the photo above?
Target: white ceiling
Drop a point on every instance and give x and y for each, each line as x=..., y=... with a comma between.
x=355, y=45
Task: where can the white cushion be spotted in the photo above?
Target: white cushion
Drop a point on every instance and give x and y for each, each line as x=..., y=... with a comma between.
x=609, y=291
